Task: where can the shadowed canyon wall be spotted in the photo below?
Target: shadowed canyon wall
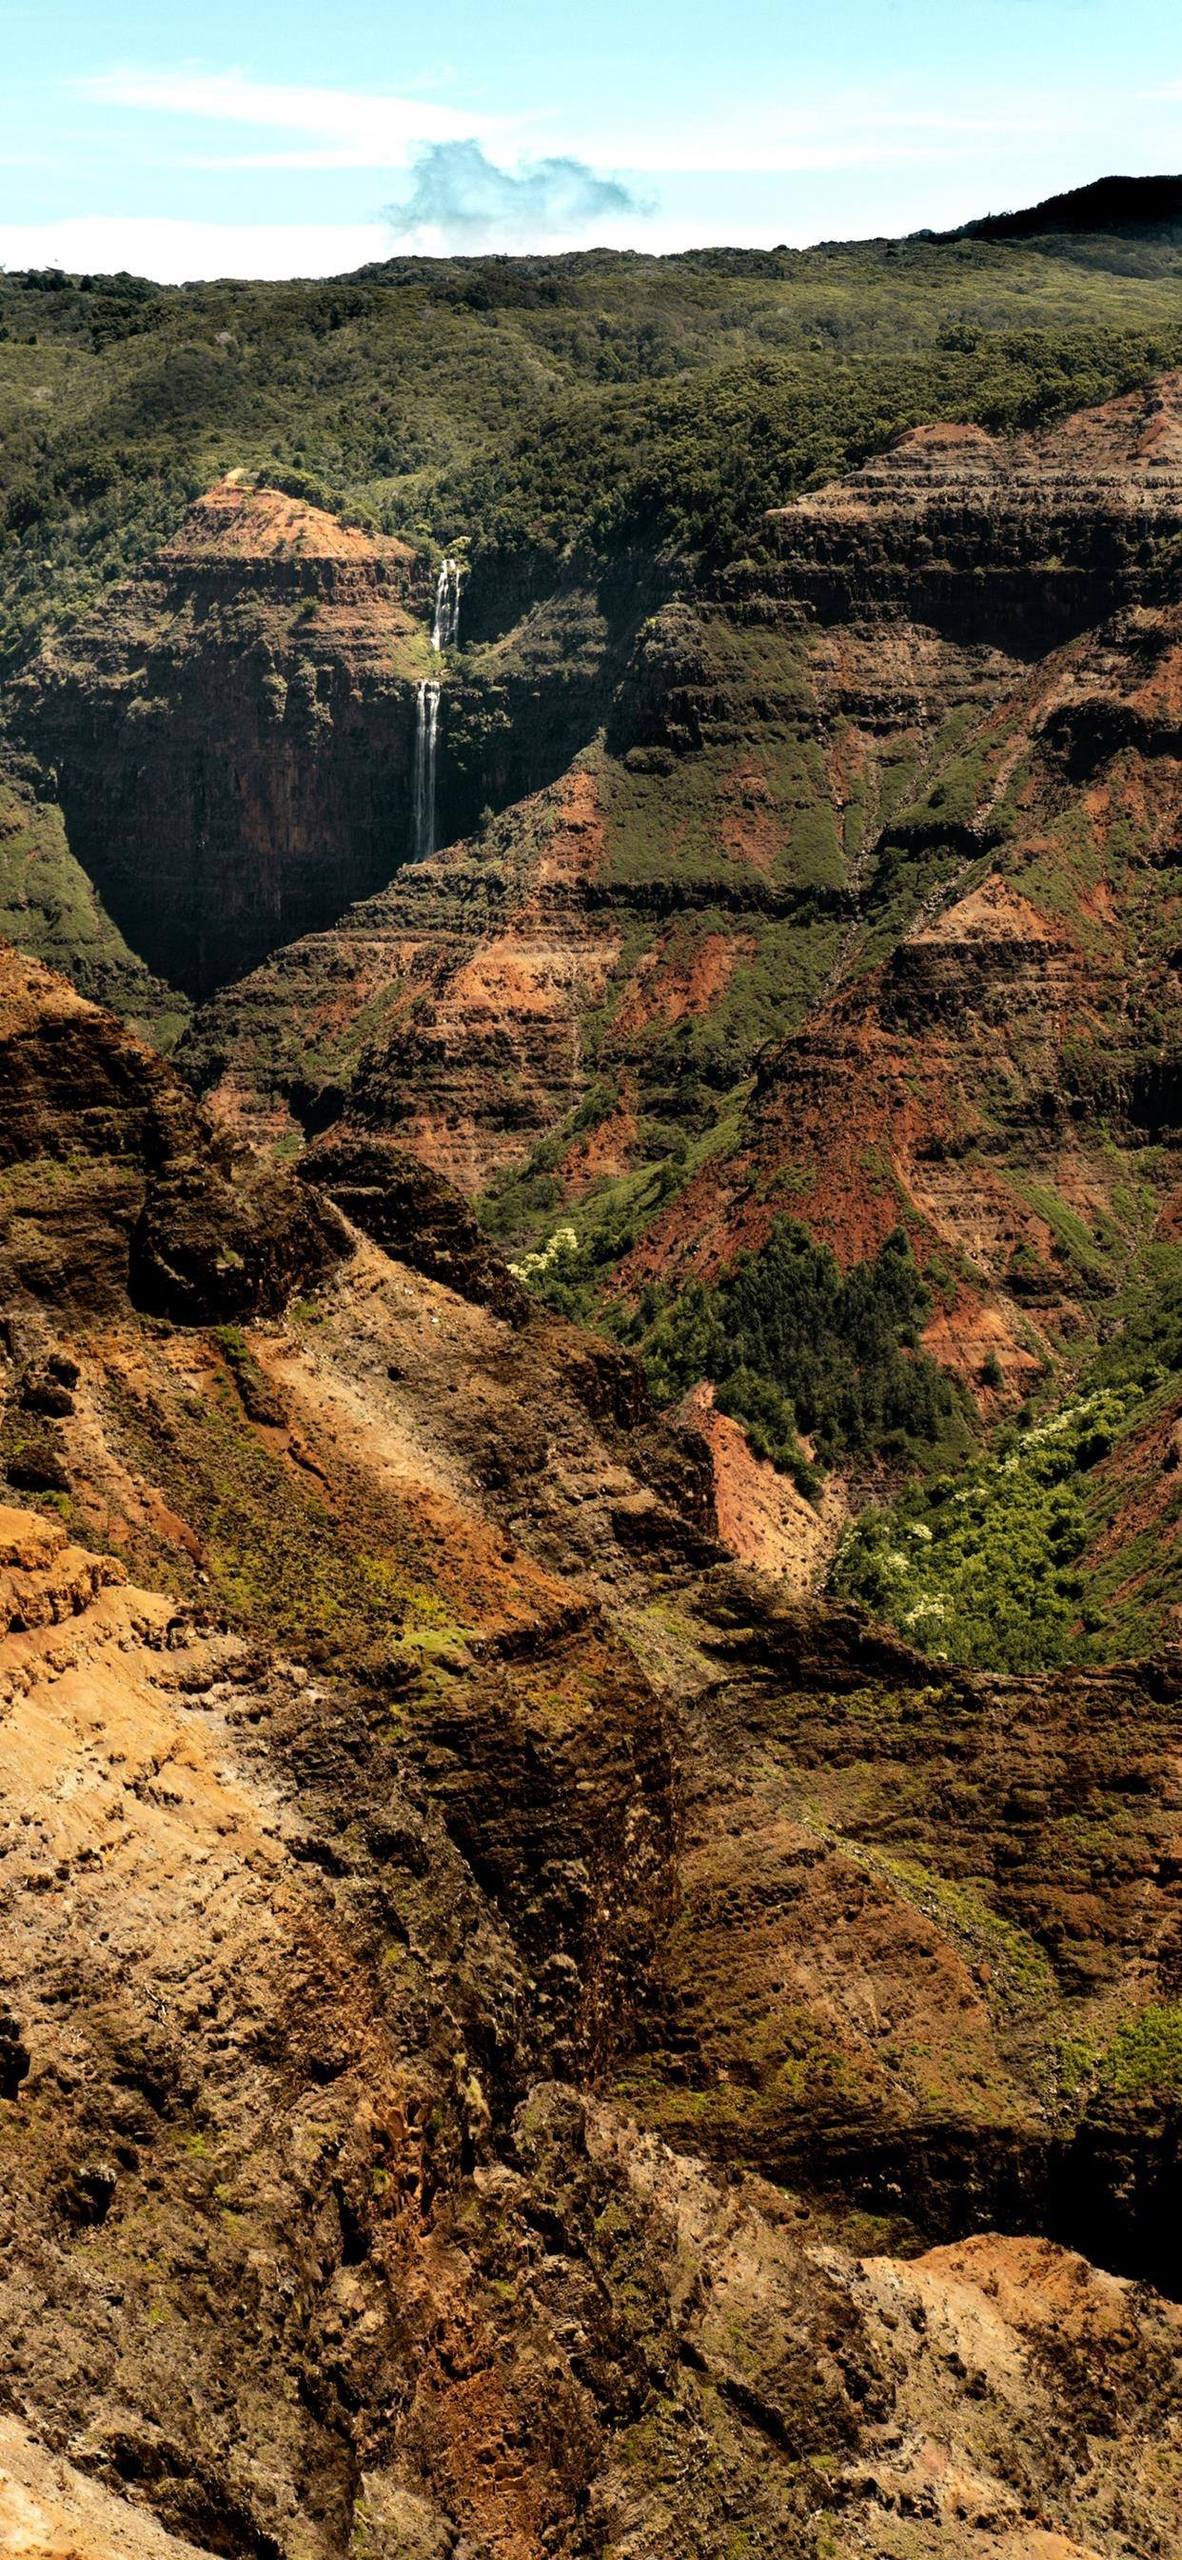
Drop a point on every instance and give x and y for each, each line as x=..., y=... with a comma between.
x=233, y=737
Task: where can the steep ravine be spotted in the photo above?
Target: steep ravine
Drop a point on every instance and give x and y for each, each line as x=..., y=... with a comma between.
x=235, y=737
x=439, y=1890
x=956, y=655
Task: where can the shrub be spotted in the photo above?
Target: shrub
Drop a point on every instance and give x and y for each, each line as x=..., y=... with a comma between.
x=985, y=1571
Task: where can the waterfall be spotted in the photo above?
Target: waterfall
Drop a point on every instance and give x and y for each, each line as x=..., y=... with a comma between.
x=445, y=628
x=426, y=732
x=444, y=632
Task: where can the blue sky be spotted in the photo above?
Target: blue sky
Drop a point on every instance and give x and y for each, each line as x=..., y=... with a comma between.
x=285, y=138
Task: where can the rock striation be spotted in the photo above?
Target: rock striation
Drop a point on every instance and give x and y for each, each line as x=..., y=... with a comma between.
x=233, y=736
x=511, y=2036
x=1012, y=543
x=1006, y=1076
x=915, y=767
x=115, y=1184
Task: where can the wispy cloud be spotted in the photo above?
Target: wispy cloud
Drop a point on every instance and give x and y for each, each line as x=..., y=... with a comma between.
x=346, y=128
x=460, y=197
x=862, y=153
x=322, y=128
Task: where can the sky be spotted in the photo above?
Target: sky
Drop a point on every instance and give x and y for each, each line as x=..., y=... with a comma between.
x=302, y=137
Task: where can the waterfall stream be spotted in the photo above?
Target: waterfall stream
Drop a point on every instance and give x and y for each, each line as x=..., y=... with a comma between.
x=446, y=625
x=444, y=632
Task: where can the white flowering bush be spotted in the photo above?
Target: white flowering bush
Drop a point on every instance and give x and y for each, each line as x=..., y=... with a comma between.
x=560, y=1248
x=988, y=1569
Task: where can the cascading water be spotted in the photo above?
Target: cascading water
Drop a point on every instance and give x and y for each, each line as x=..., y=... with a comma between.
x=444, y=632
x=426, y=732
x=445, y=628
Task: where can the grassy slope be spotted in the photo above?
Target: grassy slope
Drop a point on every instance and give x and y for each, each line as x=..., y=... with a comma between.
x=49, y=908
x=529, y=404
x=1061, y=1543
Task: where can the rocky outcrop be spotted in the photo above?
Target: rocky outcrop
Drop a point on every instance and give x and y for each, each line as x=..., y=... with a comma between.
x=407, y=1210
x=52, y=2511
x=882, y=1870
x=281, y=1980
x=271, y=2012
x=309, y=2297
x=233, y=738
x=113, y=1183
x=43, y=1579
x=1008, y=543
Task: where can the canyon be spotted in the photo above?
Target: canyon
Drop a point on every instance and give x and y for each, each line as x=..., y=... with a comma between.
x=517, y=2035
x=562, y=1996
x=862, y=906
x=234, y=735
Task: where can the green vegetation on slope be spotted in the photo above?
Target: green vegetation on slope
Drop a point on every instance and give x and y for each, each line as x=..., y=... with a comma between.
x=692, y=466
x=793, y=1347
x=538, y=406
x=1009, y=1565
x=49, y=908
x=987, y=1569
x=636, y=416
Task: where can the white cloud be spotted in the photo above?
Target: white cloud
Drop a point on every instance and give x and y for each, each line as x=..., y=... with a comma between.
x=350, y=129
x=182, y=252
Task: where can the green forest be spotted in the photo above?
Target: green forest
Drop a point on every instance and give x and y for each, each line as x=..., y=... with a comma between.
x=609, y=406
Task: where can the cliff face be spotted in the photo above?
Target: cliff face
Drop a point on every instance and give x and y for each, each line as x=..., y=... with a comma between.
x=449, y=1009
x=1011, y=543
x=114, y=1184
x=615, y=946
x=1007, y=1079
x=233, y=738
x=917, y=765
x=428, y=1865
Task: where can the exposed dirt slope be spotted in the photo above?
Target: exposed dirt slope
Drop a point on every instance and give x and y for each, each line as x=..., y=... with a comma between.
x=404, y=1805
x=537, y=2334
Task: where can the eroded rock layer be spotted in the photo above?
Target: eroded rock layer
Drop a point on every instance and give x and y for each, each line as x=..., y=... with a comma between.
x=113, y=1181
x=513, y=2039
x=905, y=790
x=233, y=737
